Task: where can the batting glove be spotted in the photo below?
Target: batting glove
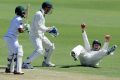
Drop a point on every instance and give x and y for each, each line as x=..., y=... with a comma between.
x=27, y=27
x=54, y=32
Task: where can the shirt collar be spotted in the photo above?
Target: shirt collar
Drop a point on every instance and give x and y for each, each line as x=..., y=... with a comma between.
x=42, y=11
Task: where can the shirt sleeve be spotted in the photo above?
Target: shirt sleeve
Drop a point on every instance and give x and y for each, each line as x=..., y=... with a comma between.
x=40, y=23
x=19, y=24
x=86, y=42
x=105, y=46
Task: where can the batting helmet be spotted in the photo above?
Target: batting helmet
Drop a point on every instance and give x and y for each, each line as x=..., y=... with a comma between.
x=46, y=4
x=96, y=42
x=20, y=11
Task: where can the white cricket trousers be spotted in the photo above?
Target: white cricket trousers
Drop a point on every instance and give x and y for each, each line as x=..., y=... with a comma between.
x=40, y=44
x=12, y=44
x=14, y=54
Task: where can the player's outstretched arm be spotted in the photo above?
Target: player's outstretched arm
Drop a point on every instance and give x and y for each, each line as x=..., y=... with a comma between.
x=106, y=44
x=85, y=38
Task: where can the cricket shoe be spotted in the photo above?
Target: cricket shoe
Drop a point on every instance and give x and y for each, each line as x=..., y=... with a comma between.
x=74, y=56
x=7, y=70
x=44, y=64
x=111, y=50
x=18, y=73
x=27, y=66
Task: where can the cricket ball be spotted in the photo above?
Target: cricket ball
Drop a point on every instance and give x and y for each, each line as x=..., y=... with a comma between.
x=107, y=36
x=83, y=25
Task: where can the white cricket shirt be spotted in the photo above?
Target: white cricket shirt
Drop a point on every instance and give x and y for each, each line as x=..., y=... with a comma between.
x=14, y=25
x=38, y=24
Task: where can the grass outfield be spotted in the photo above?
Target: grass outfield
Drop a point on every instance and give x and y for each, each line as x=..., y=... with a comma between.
x=101, y=16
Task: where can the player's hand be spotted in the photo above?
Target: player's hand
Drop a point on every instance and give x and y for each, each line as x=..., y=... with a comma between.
x=54, y=31
x=27, y=27
x=83, y=25
x=107, y=38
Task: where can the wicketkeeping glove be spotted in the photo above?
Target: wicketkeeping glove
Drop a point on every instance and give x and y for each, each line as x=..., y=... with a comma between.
x=54, y=32
x=27, y=27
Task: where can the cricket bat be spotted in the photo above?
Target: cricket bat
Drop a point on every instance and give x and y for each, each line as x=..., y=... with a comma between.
x=27, y=12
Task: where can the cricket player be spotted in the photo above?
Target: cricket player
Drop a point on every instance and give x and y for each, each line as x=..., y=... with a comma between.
x=91, y=55
x=40, y=41
x=15, y=51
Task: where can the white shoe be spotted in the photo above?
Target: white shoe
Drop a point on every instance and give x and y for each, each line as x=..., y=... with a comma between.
x=27, y=66
x=111, y=50
x=7, y=70
x=44, y=64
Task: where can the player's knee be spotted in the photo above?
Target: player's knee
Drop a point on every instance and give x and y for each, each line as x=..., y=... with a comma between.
x=10, y=56
x=39, y=51
x=52, y=46
x=9, y=59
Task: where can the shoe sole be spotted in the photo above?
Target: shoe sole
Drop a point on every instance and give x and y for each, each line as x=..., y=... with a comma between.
x=73, y=55
x=46, y=65
x=18, y=73
x=24, y=67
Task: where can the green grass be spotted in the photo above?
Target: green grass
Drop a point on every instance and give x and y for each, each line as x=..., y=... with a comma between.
x=101, y=16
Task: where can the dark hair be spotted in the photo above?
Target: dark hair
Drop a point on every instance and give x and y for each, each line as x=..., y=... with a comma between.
x=46, y=4
x=96, y=42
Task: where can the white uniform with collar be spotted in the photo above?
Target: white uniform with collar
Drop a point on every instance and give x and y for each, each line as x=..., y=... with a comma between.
x=88, y=57
x=38, y=38
x=11, y=38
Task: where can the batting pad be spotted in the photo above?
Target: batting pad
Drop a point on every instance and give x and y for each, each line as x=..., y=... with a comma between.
x=20, y=50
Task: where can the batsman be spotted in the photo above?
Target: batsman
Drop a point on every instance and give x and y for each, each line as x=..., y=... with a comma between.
x=37, y=34
x=15, y=50
x=92, y=55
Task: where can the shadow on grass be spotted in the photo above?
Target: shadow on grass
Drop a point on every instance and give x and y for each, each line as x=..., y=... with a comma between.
x=2, y=68
x=69, y=66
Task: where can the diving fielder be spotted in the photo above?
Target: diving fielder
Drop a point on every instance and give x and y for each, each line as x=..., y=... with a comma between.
x=40, y=41
x=91, y=55
x=15, y=51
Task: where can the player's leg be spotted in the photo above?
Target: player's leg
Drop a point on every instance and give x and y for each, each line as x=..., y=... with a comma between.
x=49, y=47
x=17, y=50
x=38, y=50
x=76, y=52
x=10, y=65
x=18, y=60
